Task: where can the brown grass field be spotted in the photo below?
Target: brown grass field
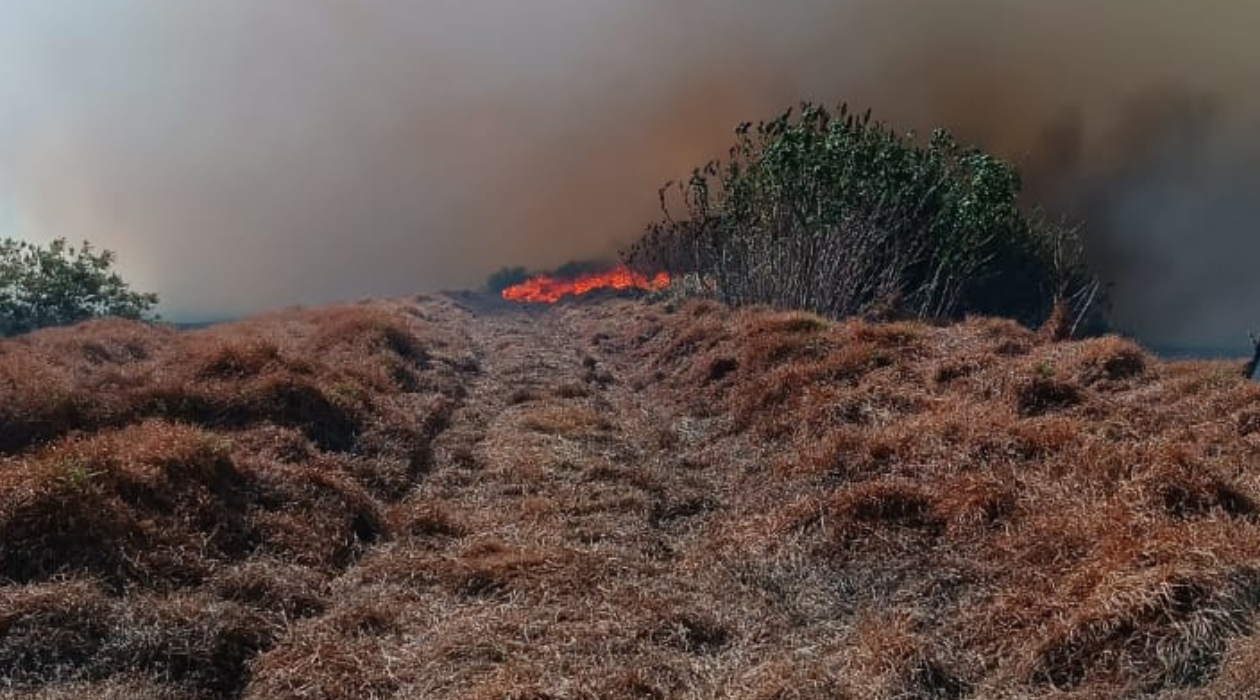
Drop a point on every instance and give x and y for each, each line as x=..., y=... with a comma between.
x=442, y=498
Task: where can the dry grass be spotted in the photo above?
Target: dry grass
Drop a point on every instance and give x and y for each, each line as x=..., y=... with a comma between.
x=1055, y=518
x=170, y=503
x=620, y=500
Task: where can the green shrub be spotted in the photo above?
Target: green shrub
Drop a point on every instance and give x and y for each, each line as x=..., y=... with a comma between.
x=840, y=215
x=59, y=285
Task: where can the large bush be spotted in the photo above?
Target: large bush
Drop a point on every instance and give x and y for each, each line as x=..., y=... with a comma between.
x=59, y=285
x=839, y=214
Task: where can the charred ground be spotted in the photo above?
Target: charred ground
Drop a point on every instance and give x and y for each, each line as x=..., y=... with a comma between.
x=444, y=497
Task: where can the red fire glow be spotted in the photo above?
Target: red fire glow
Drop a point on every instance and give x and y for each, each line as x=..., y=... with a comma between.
x=548, y=290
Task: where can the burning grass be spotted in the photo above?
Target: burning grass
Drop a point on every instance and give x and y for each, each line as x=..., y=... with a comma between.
x=676, y=501
x=549, y=289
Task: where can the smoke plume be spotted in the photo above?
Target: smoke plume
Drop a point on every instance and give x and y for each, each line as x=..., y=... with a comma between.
x=242, y=154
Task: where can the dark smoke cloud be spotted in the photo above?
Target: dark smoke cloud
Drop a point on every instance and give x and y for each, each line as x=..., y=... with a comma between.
x=243, y=154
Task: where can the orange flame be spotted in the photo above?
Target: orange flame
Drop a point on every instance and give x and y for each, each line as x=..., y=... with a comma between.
x=548, y=290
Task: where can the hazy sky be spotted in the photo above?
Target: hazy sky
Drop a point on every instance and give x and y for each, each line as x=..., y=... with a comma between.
x=245, y=154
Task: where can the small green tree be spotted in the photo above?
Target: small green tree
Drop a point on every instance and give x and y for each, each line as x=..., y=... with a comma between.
x=58, y=285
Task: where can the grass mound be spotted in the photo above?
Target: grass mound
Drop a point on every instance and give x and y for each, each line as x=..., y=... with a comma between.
x=1048, y=517
x=171, y=502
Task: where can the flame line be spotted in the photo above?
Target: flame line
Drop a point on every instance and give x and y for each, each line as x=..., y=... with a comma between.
x=546, y=289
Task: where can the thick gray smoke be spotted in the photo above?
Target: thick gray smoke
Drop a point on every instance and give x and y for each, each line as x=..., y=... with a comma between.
x=243, y=154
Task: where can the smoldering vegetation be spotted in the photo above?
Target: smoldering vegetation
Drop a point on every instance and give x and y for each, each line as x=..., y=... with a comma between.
x=431, y=145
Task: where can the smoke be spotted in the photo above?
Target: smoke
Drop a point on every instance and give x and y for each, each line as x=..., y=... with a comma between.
x=242, y=155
